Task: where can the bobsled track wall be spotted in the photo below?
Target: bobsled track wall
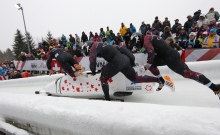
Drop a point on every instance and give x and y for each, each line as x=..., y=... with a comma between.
x=64, y=116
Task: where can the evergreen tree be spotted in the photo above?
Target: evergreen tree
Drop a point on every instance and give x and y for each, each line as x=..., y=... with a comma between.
x=31, y=43
x=49, y=37
x=19, y=44
x=9, y=55
x=1, y=56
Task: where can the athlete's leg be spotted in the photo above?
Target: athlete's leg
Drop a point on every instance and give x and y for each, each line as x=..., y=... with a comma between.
x=67, y=67
x=110, y=70
x=181, y=68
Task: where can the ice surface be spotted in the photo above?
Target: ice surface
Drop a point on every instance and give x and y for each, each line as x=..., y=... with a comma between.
x=191, y=109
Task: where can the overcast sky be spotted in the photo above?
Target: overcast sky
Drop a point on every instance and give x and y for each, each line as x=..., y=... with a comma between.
x=71, y=16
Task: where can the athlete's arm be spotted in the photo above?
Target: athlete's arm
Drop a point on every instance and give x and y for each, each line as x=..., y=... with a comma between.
x=150, y=50
x=92, y=58
x=49, y=61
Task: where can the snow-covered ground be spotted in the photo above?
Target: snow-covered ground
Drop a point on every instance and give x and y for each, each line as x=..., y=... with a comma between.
x=191, y=109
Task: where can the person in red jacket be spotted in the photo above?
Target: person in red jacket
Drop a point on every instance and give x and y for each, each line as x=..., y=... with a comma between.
x=96, y=37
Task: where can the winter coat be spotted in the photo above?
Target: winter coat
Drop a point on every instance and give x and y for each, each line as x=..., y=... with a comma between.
x=102, y=35
x=196, y=43
x=132, y=29
x=196, y=15
x=155, y=32
x=188, y=24
x=200, y=22
x=157, y=25
x=182, y=40
x=72, y=40
x=123, y=30
x=212, y=14
x=143, y=29
x=174, y=28
x=165, y=34
x=84, y=38
x=166, y=24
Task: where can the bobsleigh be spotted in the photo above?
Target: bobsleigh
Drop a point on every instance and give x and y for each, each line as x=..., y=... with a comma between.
x=90, y=87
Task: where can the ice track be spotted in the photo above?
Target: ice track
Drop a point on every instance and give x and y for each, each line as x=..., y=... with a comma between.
x=191, y=109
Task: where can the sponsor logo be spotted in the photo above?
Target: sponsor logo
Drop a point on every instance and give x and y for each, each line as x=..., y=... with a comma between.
x=100, y=64
x=33, y=65
x=148, y=87
x=133, y=88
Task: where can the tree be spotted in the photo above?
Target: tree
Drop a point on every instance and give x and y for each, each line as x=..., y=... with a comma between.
x=1, y=56
x=49, y=37
x=9, y=55
x=31, y=43
x=19, y=44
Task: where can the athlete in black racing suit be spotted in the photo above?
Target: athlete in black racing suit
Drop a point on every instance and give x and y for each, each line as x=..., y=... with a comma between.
x=160, y=53
x=65, y=60
x=117, y=62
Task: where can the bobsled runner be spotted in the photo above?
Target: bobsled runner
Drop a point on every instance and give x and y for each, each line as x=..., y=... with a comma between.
x=90, y=87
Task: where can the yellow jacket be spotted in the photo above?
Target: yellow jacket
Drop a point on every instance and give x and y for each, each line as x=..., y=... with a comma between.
x=212, y=41
x=123, y=31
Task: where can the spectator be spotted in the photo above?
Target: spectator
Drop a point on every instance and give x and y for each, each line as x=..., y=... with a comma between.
x=12, y=65
x=166, y=33
x=174, y=28
x=212, y=41
x=84, y=37
x=25, y=74
x=202, y=20
x=72, y=39
x=166, y=23
x=188, y=23
x=212, y=15
x=157, y=24
x=127, y=37
x=111, y=37
x=201, y=30
x=38, y=54
x=63, y=41
x=123, y=29
x=96, y=37
x=43, y=56
x=77, y=38
x=120, y=37
x=76, y=52
x=212, y=24
x=16, y=75
x=190, y=45
x=132, y=28
x=101, y=34
x=107, y=32
x=201, y=38
x=183, y=39
x=170, y=41
x=196, y=15
x=148, y=28
x=218, y=29
x=193, y=28
x=154, y=31
x=91, y=35
x=116, y=41
x=143, y=28
x=193, y=41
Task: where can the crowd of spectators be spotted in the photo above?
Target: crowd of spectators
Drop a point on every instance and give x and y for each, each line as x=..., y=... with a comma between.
x=199, y=31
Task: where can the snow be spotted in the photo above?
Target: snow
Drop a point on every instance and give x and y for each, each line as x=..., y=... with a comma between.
x=12, y=129
x=191, y=109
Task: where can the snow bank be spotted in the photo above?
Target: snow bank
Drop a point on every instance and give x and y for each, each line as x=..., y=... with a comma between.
x=9, y=129
x=80, y=116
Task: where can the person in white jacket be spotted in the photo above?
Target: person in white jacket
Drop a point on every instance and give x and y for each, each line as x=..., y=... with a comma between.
x=202, y=20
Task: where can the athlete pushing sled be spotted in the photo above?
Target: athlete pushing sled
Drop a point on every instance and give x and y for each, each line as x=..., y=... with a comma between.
x=119, y=60
x=66, y=61
x=158, y=51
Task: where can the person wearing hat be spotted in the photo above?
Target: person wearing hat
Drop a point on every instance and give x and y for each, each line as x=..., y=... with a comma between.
x=166, y=23
x=196, y=15
x=202, y=29
x=171, y=42
x=132, y=28
x=212, y=41
x=84, y=37
x=202, y=20
x=192, y=39
x=188, y=23
x=166, y=33
x=202, y=37
x=96, y=37
x=212, y=24
x=212, y=14
x=174, y=27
